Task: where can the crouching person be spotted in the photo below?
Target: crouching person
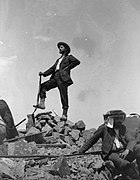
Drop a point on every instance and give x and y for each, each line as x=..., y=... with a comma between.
x=7, y=118
x=118, y=145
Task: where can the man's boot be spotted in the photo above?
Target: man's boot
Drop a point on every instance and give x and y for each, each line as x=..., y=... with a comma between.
x=64, y=115
x=41, y=105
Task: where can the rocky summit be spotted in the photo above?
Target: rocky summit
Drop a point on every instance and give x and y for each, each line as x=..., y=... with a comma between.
x=45, y=150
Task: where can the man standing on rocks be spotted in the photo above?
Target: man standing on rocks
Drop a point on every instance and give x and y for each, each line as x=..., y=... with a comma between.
x=118, y=145
x=60, y=77
x=7, y=117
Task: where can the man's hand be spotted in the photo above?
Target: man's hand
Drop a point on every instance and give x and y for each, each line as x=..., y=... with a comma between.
x=124, y=154
x=41, y=73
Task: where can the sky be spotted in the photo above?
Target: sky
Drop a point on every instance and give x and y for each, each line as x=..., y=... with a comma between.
x=103, y=34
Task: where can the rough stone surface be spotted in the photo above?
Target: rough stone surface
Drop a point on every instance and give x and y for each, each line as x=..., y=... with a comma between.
x=61, y=167
x=59, y=144
x=80, y=125
x=75, y=134
x=21, y=147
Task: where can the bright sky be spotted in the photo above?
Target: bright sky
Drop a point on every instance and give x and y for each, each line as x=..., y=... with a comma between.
x=104, y=35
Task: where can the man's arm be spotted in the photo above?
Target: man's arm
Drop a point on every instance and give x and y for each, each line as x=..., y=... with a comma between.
x=49, y=71
x=130, y=143
x=130, y=140
x=73, y=62
x=98, y=134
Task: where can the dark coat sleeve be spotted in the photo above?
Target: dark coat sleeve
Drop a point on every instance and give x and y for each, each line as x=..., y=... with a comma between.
x=130, y=140
x=127, y=138
x=73, y=62
x=50, y=71
x=96, y=136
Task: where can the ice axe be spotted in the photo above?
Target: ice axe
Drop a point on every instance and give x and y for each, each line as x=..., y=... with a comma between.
x=35, y=106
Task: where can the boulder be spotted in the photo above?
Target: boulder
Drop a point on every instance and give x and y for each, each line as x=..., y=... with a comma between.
x=61, y=167
x=75, y=134
x=80, y=125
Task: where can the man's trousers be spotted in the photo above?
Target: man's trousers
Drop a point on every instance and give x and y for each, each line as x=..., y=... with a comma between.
x=7, y=117
x=121, y=164
x=53, y=83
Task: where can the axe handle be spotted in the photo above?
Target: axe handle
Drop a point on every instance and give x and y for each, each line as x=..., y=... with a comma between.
x=20, y=122
x=38, y=94
x=38, y=89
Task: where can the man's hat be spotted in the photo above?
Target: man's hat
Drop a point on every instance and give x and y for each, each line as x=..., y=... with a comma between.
x=115, y=113
x=65, y=45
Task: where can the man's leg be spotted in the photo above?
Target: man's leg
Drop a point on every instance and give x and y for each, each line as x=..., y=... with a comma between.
x=46, y=86
x=63, y=89
x=124, y=165
x=8, y=119
x=118, y=162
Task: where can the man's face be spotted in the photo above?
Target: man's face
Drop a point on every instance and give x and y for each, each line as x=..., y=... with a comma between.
x=118, y=121
x=62, y=49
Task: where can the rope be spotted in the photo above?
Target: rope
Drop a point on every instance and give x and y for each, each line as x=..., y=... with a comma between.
x=50, y=156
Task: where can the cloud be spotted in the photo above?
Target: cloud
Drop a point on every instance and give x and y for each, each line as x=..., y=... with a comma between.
x=86, y=94
x=6, y=62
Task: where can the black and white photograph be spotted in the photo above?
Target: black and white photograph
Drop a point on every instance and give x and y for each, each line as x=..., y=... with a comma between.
x=69, y=89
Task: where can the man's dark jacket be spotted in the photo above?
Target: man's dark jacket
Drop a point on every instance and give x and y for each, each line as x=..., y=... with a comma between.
x=108, y=135
x=67, y=63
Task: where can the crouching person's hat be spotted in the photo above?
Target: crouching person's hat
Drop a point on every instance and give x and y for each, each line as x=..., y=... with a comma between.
x=115, y=114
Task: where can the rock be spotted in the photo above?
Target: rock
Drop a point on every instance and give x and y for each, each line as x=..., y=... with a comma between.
x=4, y=149
x=70, y=124
x=5, y=169
x=56, y=135
x=22, y=131
x=58, y=129
x=31, y=122
x=21, y=148
x=61, y=167
x=88, y=133
x=44, y=115
x=80, y=142
x=48, y=130
x=43, y=122
x=75, y=134
x=61, y=124
x=51, y=123
x=38, y=138
x=38, y=126
x=69, y=140
x=57, y=118
x=80, y=125
x=50, y=140
x=67, y=130
x=18, y=169
x=49, y=176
